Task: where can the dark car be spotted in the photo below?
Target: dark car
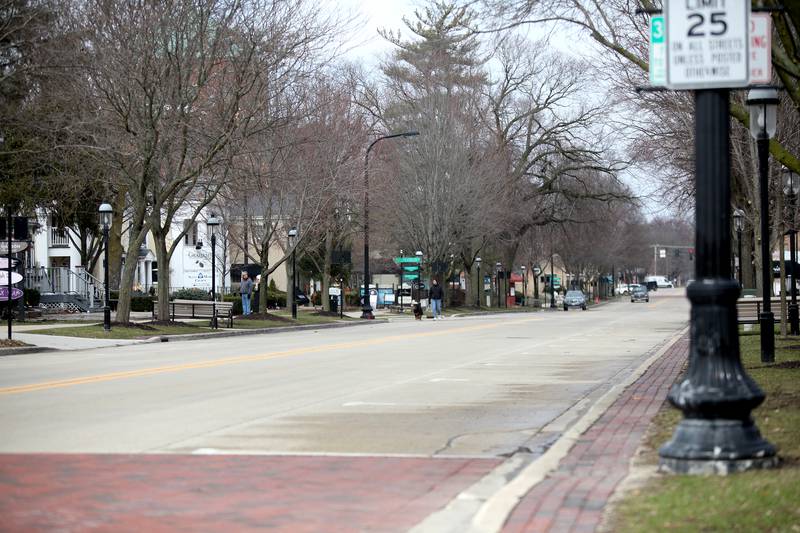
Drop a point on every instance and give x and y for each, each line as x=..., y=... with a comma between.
x=639, y=294
x=574, y=299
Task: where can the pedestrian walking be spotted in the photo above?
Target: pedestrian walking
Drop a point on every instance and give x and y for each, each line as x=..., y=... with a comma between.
x=246, y=290
x=436, y=294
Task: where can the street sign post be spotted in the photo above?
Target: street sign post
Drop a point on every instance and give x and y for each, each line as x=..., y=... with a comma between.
x=16, y=247
x=399, y=260
x=760, y=48
x=4, y=262
x=658, y=51
x=707, y=43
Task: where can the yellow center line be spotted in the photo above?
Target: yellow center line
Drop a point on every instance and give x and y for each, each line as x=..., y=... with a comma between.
x=33, y=387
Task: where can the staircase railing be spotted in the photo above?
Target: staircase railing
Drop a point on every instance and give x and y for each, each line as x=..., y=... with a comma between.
x=62, y=280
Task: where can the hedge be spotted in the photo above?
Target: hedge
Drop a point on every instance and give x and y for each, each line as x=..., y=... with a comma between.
x=237, y=303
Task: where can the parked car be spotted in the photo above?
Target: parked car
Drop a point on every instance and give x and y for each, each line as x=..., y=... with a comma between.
x=639, y=293
x=574, y=299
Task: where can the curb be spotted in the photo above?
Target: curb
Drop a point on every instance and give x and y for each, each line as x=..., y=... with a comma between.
x=259, y=331
x=25, y=349
x=495, y=511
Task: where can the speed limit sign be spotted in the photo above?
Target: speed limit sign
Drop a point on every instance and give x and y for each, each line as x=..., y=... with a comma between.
x=707, y=43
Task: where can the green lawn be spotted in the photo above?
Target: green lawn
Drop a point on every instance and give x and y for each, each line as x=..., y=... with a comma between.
x=284, y=319
x=767, y=500
x=96, y=331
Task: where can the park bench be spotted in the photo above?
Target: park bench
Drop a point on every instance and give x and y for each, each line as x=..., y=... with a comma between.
x=200, y=309
x=748, y=309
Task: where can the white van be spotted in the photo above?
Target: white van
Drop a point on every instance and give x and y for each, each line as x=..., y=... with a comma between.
x=661, y=282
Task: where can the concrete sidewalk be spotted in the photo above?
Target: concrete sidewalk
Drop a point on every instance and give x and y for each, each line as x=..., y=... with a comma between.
x=298, y=493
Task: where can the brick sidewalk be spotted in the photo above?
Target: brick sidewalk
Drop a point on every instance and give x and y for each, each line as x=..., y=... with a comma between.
x=573, y=497
x=154, y=493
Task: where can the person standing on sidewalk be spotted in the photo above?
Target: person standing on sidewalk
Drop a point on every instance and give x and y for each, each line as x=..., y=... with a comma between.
x=246, y=289
x=436, y=300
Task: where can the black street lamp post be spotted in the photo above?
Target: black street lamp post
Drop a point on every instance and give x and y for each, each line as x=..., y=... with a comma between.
x=717, y=433
x=738, y=224
x=105, y=222
x=479, y=288
x=212, y=223
x=524, y=284
x=552, y=283
x=763, y=120
x=292, y=244
x=791, y=186
x=498, y=269
x=400, y=290
x=419, y=254
x=366, y=310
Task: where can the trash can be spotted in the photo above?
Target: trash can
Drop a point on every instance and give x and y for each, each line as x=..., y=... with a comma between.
x=334, y=301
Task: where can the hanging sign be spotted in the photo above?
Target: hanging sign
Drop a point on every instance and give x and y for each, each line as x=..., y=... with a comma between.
x=16, y=294
x=15, y=277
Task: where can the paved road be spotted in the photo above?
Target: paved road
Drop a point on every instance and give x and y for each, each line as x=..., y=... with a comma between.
x=475, y=387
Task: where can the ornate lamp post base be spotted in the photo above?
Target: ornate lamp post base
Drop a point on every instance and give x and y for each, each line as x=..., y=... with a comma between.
x=717, y=434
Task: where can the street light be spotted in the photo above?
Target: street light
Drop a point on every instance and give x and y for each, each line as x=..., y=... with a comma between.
x=524, y=284
x=418, y=254
x=791, y=186
x=717, y=433
x=738, y=224
x=763, y=104
x=212, y=223
x=105, y=222
x=292, y=239
x=480, y=283
x=366, y=310
x=552, y=281
x=498, y=267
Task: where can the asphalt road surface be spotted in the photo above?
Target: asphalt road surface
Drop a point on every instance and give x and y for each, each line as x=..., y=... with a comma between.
x=473, y=386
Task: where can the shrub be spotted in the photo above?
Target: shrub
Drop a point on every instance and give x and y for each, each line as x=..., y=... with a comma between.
x=191, y=294
x=141, y=303
x=32, y=297
x=237, y=303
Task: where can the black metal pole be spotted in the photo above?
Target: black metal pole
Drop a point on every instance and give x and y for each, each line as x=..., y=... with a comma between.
x=794, y=315
x=766, y=319
x=106, y=308
x=498, y=288
x=552, y=281
x=213, y=283
x=366, y=309
x=479, y=289
x=341, y=298
x=524, y=286
x=717, y=433
x=294, y=286
x=8, y=299
x=739, y=251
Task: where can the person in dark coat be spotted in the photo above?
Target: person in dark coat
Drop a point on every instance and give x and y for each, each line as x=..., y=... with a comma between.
x=436, y=295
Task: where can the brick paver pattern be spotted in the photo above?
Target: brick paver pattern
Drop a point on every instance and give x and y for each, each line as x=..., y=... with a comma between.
x=572, y=498
x=155, y=493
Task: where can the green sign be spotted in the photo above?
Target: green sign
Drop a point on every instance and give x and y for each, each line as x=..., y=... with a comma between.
x=409, y=277
x=399, y=260
x=414, y=268
x=658, y=51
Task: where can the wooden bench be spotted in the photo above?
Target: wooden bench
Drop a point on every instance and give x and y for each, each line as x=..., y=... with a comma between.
x=200, y=309
x=748, y=309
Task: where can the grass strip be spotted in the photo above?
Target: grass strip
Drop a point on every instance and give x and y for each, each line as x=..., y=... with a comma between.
x=764, y=500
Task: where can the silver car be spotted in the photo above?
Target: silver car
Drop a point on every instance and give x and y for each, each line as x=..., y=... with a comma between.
x=574, y=299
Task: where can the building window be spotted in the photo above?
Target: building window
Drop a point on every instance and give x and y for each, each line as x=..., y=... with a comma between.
x=154, y=272
x=190, y=239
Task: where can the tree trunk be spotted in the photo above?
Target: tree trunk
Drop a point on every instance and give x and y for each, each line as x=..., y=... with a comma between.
x=115, y=242
x=162, y=310
x=748, y=272
x=326, y=271
x=262, y=289
x=126, y=282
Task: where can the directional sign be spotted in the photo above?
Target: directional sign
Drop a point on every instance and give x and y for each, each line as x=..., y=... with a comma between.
x=16, y=246
x=760, y=48
x=399, y=260
x=707, y=43
x=411, y=268
x=658, y=51
x=409, y=277
x=4, y=262
x=15, y=278
x=16, y=293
